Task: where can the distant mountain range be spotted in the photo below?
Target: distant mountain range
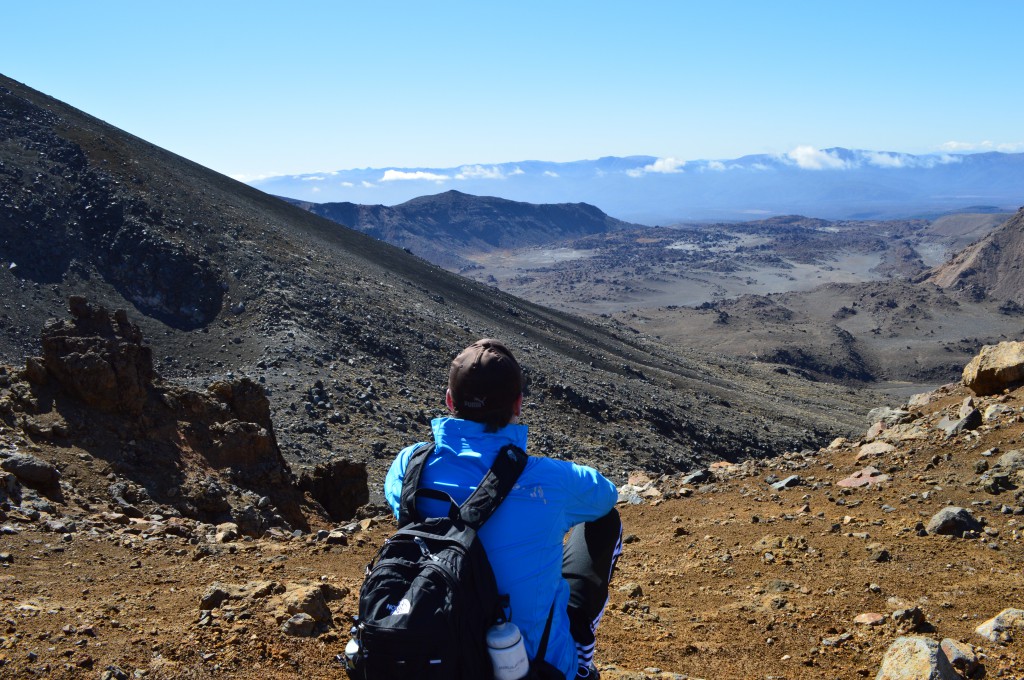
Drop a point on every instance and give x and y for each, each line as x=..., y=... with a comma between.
x=829, y=183
x=442, y=227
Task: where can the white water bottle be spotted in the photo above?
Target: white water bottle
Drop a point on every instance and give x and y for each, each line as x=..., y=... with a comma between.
x=508, y=653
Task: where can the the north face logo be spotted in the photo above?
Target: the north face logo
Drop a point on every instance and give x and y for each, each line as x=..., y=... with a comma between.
x=403, y=607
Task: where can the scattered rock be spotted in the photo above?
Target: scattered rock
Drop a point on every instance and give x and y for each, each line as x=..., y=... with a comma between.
x=878, y=553
x=336, y=537
x=961, y=655
x=890, y=416
x=920, y=400
x=952, y=521
x=1001, y=627
x=311, y=601
x=994, y=411
x=875, y=449
x=226, y=532
x=697, y=477
x=869, y=619
x=787, y=483
x=909, y=620
x=971, y=421
x=31, y=470
x=865, y=477
x=299, y=625
x=218, y=593
x=915, y=658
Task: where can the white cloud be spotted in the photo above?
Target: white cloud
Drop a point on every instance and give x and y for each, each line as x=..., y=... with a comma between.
x=242, y=177
x=809, y=158
x=760, y=166
x=959, y=146
x=347, y=184
x=717, y=166
x=400, y=175
x=313, y=178
x=315, y=190
x=664, y=166
x=517, y=171
x=886, y=160
x=479, y=172
x=987, y=145
x=550, y=173
x=368, y=185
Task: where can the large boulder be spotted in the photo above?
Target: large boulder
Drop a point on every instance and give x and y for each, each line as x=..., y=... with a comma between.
x=996, y=368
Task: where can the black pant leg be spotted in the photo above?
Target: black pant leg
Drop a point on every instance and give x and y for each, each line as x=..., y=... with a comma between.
x=587, y=562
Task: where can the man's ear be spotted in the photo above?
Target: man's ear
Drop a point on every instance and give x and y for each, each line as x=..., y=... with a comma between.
x=448, y=401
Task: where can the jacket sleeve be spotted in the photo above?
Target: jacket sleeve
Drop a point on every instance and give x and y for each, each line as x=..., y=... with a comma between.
x=591, y=495
x=393, y=480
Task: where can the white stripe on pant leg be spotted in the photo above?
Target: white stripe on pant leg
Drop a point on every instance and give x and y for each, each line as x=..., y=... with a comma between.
x=584, y=654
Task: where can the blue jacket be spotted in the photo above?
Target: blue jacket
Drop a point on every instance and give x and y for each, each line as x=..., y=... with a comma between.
x=523, y=538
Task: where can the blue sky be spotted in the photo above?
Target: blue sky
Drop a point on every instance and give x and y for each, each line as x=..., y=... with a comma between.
x=264, y=88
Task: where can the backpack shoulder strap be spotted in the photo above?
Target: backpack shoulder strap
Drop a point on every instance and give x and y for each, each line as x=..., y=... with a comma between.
x=411, y=482
x=494, y=487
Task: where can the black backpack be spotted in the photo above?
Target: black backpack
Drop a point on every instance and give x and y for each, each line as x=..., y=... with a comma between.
x=429, y=595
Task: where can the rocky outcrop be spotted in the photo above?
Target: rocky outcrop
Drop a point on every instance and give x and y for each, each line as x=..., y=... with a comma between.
x=209, y=455
x=98, y=357
x=339, y=485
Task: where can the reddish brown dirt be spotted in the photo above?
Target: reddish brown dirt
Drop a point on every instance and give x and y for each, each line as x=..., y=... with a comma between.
x=695, y=594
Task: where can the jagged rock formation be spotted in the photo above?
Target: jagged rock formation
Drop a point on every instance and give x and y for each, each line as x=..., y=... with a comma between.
x=210, y=455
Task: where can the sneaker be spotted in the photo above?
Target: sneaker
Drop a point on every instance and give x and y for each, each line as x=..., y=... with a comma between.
x=588, y=672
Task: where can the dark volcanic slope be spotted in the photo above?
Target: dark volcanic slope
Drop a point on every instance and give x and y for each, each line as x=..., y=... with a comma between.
x=349, y=335
x=444, y=227
x=992, y=267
